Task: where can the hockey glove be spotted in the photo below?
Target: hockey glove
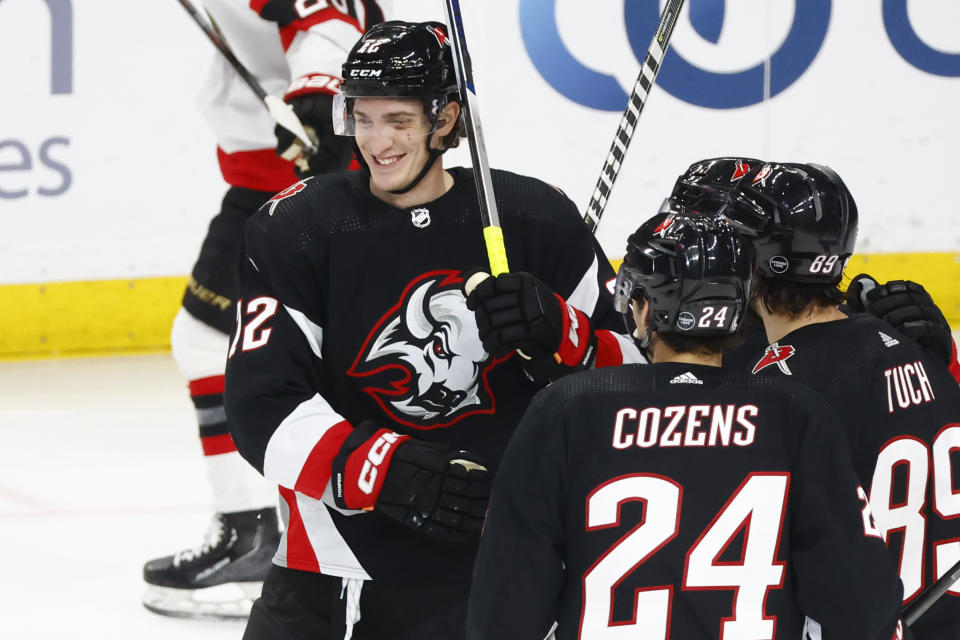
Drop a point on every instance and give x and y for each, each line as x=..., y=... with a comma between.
x=517, y=311
x=314, y=108
x=435, y=489
x=907, y=307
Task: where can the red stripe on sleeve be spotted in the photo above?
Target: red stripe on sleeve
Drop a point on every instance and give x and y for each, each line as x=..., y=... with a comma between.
x=609, y=353
x=954, y=364
x=261, y=169
x=315, y=473
x=207, y=386
x=258, y=5
x=215, y=445
x=300, y=554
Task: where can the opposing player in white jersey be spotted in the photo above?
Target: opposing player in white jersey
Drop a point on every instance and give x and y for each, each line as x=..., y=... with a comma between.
x=294, y=49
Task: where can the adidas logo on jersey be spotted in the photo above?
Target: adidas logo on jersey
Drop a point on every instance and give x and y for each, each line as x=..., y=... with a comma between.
x=887, y=340
x=686, y=378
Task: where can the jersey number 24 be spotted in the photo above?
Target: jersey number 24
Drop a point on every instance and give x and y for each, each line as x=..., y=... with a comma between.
x=758, y=505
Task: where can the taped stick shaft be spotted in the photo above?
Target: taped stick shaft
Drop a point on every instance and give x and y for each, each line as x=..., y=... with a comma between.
x=281, y=112
x=631, y=114
x=224, y=49
x=493, y=236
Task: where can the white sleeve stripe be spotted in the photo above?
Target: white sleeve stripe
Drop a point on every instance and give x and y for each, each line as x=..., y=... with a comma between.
x=321, y=48
x=587, y=292
x=311, y=331
x=629, y=351
x=293, y=441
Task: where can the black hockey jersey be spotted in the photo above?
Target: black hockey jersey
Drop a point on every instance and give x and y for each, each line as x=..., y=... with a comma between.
x=352, y=310
x=901, y=411
x=683, y=502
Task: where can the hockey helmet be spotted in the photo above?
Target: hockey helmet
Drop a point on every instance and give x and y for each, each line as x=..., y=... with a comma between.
x=705, y=184
x=801, y=219
x=695, y=270
x=397, y=60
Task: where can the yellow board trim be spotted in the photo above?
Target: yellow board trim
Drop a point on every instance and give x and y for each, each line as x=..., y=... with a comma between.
x=102, y=317
x=98, y=317
x=939, y=273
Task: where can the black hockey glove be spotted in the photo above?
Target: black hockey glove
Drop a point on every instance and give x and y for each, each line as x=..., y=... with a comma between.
x=435, y=489
x=907, y=307
x=517, y=311
x=333, y=152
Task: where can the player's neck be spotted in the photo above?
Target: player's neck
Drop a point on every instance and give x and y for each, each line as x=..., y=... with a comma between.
x=779, y=325
x=660, y=352
x=434, y=184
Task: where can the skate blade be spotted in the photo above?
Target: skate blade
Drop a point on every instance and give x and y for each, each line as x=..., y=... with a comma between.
x=231, y=601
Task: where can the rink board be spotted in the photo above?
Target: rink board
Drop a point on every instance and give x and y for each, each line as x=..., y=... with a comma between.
x=100, y=317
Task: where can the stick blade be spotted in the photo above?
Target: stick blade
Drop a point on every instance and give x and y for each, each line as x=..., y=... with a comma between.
x=284, y=115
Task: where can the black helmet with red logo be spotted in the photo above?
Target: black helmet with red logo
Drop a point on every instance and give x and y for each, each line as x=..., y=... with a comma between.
x=705, y=184
x=800, y=218
x=695, y=270
x=400, y=60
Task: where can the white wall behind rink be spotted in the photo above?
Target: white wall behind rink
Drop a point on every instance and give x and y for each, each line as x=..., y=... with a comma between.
x=143, y=180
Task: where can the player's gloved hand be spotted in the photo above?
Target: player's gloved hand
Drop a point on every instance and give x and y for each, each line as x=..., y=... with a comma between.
x=314, y=108
x=908, y=308
x=517, y=311
x=435, y=489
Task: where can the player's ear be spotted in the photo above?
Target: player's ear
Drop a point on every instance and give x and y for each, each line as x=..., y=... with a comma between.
x=447, y=119
x=641, y=314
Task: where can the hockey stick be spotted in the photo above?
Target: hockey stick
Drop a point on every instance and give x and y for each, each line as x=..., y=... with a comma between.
x=281, y=112
x=628, y=122
x=930, y=596
x=492, y=233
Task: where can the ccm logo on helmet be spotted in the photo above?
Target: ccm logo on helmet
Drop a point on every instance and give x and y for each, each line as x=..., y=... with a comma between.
x=365, y=73
x=375, y=457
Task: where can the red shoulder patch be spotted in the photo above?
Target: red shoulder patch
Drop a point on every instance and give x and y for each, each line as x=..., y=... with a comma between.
x=778, y=355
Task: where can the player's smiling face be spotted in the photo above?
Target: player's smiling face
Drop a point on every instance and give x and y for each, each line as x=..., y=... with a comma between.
x=392, y=134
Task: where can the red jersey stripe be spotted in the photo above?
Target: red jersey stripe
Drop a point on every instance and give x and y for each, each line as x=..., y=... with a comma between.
x=609, y=353
x=315, y=473
x=300, y=554
x=261, y=169
x=207, y=386
x=215, y=445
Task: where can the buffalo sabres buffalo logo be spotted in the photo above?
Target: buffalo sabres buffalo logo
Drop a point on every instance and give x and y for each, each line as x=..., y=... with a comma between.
x=427, y=366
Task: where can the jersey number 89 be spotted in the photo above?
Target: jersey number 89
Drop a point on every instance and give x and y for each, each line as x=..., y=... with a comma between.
x=910, y=516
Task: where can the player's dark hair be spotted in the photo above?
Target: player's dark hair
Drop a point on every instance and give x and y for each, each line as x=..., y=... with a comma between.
x=795, y=299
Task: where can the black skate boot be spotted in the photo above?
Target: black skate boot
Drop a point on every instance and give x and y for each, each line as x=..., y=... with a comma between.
x=221, y=578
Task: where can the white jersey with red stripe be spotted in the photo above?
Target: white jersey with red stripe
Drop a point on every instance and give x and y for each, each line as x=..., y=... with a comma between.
x=280, y=42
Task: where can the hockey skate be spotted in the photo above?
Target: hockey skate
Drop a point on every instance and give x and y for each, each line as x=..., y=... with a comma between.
x=222, y=577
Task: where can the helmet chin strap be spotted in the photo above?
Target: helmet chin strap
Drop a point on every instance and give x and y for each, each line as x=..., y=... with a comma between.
x=434, y=154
